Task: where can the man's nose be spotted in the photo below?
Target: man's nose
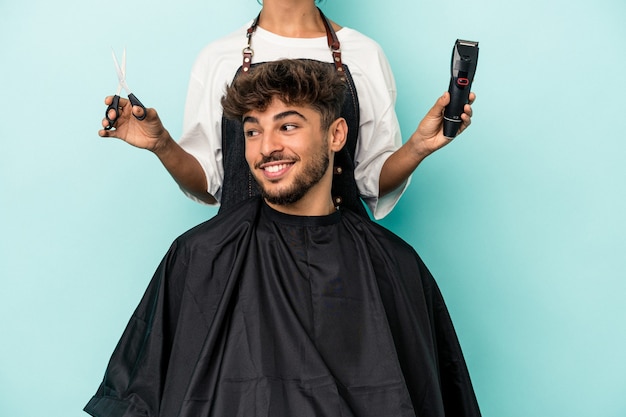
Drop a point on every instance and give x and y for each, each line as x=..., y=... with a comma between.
x=270, y=143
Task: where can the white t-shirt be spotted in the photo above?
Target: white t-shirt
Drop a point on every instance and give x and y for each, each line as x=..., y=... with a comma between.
x=379, y=132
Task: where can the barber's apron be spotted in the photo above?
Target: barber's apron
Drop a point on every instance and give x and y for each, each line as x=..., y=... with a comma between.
x=239, y=184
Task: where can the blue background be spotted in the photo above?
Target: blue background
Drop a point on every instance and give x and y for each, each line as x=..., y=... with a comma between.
x=520, y=219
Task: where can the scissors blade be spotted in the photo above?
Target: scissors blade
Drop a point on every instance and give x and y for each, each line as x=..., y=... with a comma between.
x=124, y=62
x=121, y=72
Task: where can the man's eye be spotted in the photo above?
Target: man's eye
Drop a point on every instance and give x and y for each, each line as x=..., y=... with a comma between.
x=251, y=133
x=288, y=127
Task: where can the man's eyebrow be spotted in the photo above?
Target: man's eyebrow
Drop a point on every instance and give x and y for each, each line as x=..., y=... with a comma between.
x=279, y=116
x=289, y=113
x=249, y=119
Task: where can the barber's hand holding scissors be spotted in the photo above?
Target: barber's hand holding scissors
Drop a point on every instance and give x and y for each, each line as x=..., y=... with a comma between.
x=128, y=119
x=147, y=133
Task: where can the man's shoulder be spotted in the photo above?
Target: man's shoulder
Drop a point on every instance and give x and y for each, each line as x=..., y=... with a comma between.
x=377, y=233
x=226, y=226
x=386, y=249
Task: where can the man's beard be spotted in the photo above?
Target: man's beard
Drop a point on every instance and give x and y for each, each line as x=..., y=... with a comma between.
x=302, y=183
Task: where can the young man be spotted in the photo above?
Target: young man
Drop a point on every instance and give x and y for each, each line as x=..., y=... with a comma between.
x=285, y=306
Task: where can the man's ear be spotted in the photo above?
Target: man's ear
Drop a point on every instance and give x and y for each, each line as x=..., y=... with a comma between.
x=337, y=134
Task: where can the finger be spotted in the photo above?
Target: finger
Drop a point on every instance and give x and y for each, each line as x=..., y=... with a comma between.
x=114, y=113
x=105, y=122
x=109, y=99
x=138, y=111
x=107, y=133
x=467, y=109
x=444, y=99
x=466, y=121
x=437, y=109
x=472, y=97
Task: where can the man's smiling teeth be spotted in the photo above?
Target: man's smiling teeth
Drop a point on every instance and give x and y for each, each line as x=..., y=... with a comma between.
x=275, y=168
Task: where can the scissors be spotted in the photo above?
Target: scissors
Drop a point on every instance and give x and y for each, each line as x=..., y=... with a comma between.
x=121, y=75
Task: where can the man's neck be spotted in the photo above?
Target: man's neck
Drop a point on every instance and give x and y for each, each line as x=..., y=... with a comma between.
x=300, y=208
x=292, y=18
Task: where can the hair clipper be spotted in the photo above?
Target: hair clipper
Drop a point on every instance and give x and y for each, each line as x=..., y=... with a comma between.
x=462, y=70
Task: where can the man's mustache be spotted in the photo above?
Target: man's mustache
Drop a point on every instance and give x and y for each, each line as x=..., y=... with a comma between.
x=274, y=158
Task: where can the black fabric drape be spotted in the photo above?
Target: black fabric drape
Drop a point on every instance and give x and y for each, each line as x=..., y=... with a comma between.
x=259, y=314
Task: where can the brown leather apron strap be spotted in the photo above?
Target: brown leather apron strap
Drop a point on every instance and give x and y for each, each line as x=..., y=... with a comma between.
x=247, y=51
x=333, y=44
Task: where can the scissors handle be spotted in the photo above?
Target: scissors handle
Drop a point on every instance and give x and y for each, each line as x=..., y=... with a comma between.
x=135, y=102
x=115, y=107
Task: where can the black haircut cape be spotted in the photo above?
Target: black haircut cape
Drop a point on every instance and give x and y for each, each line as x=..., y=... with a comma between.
x=258, y=313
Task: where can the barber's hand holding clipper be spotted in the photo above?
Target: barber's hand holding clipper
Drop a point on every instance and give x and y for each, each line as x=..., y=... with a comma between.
x=452, y=113
x=431, y=129
x=462, y=70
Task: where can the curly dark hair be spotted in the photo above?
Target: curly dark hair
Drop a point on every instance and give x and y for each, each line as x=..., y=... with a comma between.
x=299, y=82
